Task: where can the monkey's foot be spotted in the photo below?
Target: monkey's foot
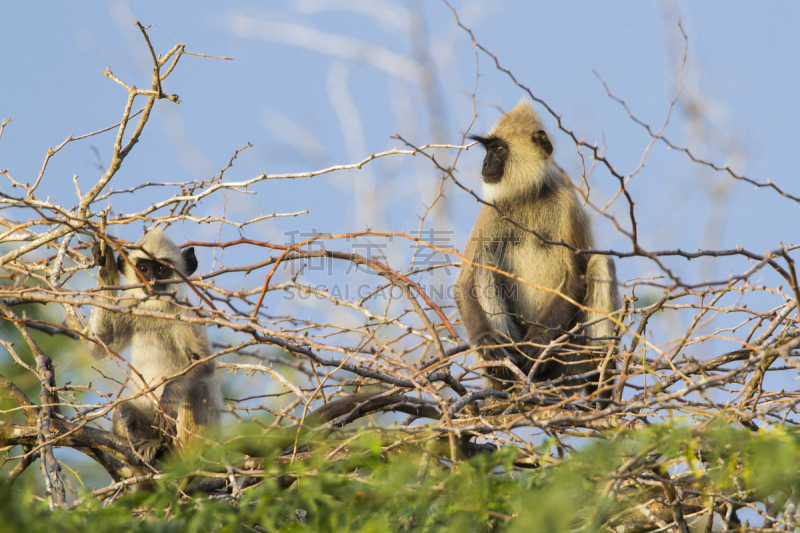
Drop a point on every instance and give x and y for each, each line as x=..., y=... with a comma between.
x=151, y=450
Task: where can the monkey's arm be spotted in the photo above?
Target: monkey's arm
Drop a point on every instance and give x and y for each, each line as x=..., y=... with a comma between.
x=112, y=329
x=108, y=273
x=475, y=285
x=472, y=314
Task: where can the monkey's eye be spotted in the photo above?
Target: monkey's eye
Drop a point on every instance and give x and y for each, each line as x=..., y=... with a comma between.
x=498, y=149
x=142, y=268
x=162, y=269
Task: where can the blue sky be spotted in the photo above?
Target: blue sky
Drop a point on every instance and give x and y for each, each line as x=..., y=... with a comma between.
x=281, y=93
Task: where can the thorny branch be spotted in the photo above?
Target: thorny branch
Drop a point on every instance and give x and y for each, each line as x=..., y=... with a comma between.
x=293, y=345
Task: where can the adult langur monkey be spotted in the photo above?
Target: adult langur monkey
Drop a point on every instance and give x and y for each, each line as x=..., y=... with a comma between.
x=159, y=347
x=505, y=317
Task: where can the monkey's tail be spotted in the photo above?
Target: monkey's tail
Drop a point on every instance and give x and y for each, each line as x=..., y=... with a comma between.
x=602, y=294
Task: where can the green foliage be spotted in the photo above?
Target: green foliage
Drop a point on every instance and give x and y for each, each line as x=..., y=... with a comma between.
x=372, y=491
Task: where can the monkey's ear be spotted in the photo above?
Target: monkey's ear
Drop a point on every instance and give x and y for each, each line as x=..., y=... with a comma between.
x=540, y=138
x=189, y=260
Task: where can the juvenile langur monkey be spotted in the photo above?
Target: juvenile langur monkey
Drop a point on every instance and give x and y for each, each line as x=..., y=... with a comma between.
x=520, y=178
x=159, y=347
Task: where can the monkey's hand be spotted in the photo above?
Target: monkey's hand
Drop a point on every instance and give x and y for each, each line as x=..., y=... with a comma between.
x=109, y=273
x=535, y=341
x=489, y=348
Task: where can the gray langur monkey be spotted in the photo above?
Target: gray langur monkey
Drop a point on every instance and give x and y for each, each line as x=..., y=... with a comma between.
x=525, y=185
x=159, y=347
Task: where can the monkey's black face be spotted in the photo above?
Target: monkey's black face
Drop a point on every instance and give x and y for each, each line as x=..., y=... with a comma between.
x=157, y=271
x=154, y=271
x=496, y=155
